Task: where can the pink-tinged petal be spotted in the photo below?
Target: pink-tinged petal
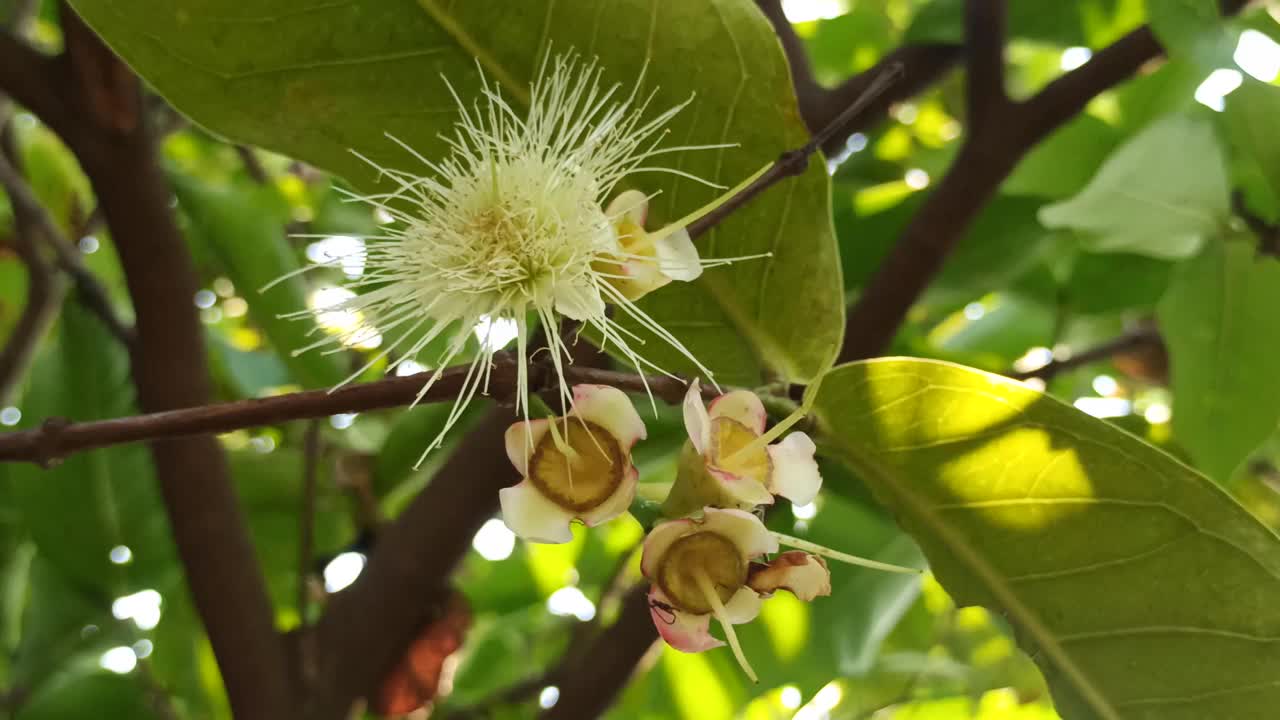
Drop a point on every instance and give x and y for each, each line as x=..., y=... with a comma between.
x=743, y=489
x=642, y=278
x=522, y=438
x=658, y=540
x=740, y=405
x=744, y=529
x=532, y=516
x=611, y=409
x=743, y=607
x=677, y=256
x=615, y=504
x=631, y=205
x=681, y=630
x=805, y=575
x=795, y=473
x=696, y=420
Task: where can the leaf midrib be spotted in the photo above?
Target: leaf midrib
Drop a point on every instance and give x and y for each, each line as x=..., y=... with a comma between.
x=1024, y=616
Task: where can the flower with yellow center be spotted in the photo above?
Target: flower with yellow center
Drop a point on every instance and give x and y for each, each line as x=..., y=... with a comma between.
x=703, y=567
x=726, y=464
x=580, y=467
x=513, y=224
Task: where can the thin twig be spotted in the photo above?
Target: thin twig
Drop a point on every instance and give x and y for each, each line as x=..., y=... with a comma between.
x=1132, y=340
x=794, y=162
x=44, y=289
x=252, y=165
x=311, y=451
x=1268, y=234
x=59, y=438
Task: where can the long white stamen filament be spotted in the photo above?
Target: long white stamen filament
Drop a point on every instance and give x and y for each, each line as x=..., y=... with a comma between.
x=717, y=607
x=827, y=552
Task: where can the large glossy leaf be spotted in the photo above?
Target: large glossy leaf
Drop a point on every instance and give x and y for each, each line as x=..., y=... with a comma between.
x=314, y=79
x=1221, y=325
x=1141, y=589
x=1161, y=194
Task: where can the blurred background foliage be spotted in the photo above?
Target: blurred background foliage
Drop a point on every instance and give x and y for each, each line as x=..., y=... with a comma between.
x=92, y=608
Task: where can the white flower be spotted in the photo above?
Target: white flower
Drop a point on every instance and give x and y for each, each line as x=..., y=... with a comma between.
x=726, y=464
x=513, y=223
x=580, y=467
x=703, y=568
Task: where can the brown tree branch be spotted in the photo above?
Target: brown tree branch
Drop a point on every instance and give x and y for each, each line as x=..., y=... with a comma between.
x=809, y=94
x=59, y=438
x=920, y=66
x=94, y=102
x=984, y=28
x=991, y=150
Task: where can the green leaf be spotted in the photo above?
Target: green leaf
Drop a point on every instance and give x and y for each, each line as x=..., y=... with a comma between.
x=1192, y=29
x=1115, y=281
x=338, y=76
x=246, y=228
x=1250, y=116
x=1063, y=163
x=1221, y=325
x=81, y=508
x=1141, y=589
x=1161, y=194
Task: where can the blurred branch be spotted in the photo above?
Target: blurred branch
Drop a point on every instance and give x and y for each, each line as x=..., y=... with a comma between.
x=920, y=66
x=311, y=452
x=994, y=144
x=1268, y=233
x=366, y=628
x=252, y=165
x=591, y=680
x=984, y=29
x=58, y=438
x=1134, y=339
x=44, y=288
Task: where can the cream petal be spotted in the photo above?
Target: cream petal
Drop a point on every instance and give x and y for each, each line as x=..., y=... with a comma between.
x=805, y=575
x=631, y=205
x=611, y=409
x=677, y=256
x=795, y=473
x=579, y=302
x=681, y=630
x=744, y=529
x=696, y=420
x=658, y=540
x=532, y=516
x=643, y=277
x=743, y=406
x=521, y=439
x=743, y=489
x=615, y=504
x=743, y=607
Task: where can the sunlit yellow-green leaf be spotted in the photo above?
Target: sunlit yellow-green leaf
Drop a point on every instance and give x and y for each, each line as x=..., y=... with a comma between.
x=1140, y=588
